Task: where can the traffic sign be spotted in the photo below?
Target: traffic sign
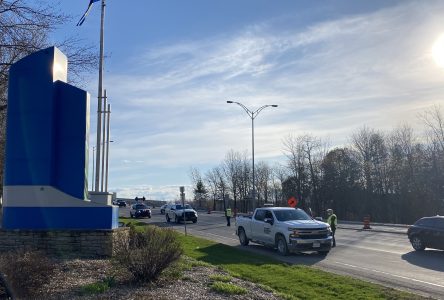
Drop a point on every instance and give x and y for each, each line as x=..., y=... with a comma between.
x=293, y=202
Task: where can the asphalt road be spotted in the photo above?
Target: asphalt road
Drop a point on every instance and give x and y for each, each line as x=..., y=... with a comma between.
x=380, y=257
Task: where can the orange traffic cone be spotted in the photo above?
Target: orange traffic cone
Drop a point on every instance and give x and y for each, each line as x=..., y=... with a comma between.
x=366, y=222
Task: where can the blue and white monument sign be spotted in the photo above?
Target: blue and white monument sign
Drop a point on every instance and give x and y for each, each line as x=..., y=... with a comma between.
x=46, y=160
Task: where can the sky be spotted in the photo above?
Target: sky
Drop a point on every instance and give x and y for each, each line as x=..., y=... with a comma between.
x=331, y=66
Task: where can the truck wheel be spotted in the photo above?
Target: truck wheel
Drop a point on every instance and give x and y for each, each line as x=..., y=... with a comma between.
x=195, y=221
x=243, y=237
x=417, y=244
x=323, y=253
x=167, y=218
x=281, y=245
x=176, y=219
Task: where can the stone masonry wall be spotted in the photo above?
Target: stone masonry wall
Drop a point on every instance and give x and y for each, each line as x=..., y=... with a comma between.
x=72, y=243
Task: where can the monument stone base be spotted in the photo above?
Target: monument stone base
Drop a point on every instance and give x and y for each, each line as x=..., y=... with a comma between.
x=65, y=243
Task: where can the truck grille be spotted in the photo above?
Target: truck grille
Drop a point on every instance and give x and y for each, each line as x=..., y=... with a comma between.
x=189, y=214
x=313, y=233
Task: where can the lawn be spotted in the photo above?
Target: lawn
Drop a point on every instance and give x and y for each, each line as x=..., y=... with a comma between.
x=289, y=281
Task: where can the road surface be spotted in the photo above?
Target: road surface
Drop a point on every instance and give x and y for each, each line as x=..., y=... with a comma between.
x=377, y=256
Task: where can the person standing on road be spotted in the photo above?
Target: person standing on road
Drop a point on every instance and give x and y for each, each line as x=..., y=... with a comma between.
x=228, y=215
x=332, y=220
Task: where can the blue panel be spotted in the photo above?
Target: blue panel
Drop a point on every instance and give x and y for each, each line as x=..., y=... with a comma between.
x=60, y=217
x=30, y=120
x=70, y=140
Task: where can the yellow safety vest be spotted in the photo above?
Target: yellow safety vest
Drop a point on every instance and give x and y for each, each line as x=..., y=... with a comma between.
x=228, y=212
x=334, y=221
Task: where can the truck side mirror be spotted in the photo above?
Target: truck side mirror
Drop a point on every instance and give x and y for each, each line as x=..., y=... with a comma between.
x=269, y=221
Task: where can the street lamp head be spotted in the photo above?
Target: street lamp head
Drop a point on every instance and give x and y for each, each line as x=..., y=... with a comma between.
x=229, y=101
x=274, y=105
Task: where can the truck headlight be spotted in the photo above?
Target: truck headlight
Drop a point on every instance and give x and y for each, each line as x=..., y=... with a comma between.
x=329, y=230
x=294, y=234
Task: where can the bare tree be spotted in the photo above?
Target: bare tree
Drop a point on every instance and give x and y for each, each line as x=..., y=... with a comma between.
x=263, y=178
x=232, y=167
x=434, y=121
x=212, y=180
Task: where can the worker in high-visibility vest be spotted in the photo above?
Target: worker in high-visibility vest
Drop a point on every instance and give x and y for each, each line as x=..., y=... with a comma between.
x=228, y=215
x=332, y=220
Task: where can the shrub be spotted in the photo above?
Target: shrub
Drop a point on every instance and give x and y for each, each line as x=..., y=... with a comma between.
x=24, y=272
x=147, y=253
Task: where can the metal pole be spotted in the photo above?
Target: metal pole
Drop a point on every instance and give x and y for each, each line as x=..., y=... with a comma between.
x=103, y=141
x=253, y=115
x=182, y=196
x=252, y=147
x=92, y=181
x=99, y=100
x=107, y=146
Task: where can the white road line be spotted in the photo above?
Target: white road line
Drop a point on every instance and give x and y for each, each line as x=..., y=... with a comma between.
x=393, y=275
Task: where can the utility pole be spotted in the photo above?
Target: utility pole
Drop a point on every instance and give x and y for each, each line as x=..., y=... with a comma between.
x=99, y=99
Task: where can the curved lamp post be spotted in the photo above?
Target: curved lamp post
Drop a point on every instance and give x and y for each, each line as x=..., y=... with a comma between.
x=252, y=115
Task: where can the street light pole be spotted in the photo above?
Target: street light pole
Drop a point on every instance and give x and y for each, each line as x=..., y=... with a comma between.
x=99, y=98
x=253, y=115
x=92, y=181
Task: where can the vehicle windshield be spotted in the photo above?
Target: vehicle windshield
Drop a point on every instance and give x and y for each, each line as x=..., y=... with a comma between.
x=187, y=206
x=140, y=206
x=291, y=215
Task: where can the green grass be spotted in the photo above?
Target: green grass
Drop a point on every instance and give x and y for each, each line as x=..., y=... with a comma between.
x=132, y=221
x=221, y=278
x=227, y=288
x=98, y=287
x=288, y=281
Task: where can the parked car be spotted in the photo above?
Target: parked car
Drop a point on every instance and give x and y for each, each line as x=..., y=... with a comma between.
x=162, y=209
x=121, y=203
x=287, y=229
x=179, y=213
x=140, y=210
x=427, y=232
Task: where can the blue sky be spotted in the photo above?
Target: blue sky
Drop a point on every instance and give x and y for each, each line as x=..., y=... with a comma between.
x=331, y=66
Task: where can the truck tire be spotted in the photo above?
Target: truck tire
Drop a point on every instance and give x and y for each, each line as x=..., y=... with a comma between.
x=281, y=245
x=323, y=253
x=243, y=237
x=167, y=218
x=176, y=219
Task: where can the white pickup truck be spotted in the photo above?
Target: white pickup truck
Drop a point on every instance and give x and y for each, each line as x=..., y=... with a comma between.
x=288, y=229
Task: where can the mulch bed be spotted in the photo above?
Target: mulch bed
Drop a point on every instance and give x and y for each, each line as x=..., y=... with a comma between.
x=73, y=274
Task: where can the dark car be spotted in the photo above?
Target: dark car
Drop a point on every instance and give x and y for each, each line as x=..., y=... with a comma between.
x=427, y=232
x=162, y=209
x=121, y=203
x=140, y=210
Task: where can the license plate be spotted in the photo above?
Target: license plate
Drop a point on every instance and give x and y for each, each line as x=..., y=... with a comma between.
x=316, y=244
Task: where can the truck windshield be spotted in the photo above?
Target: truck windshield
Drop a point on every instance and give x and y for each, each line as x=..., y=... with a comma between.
x=291, y=215
x=187, y=206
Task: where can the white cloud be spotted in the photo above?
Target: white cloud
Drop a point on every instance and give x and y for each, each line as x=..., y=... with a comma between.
x=328, y=78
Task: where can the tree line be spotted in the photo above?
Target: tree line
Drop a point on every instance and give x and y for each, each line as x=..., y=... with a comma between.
x=395, y=176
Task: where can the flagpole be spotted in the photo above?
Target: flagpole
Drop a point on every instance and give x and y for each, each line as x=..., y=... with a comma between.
x=99, y=100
